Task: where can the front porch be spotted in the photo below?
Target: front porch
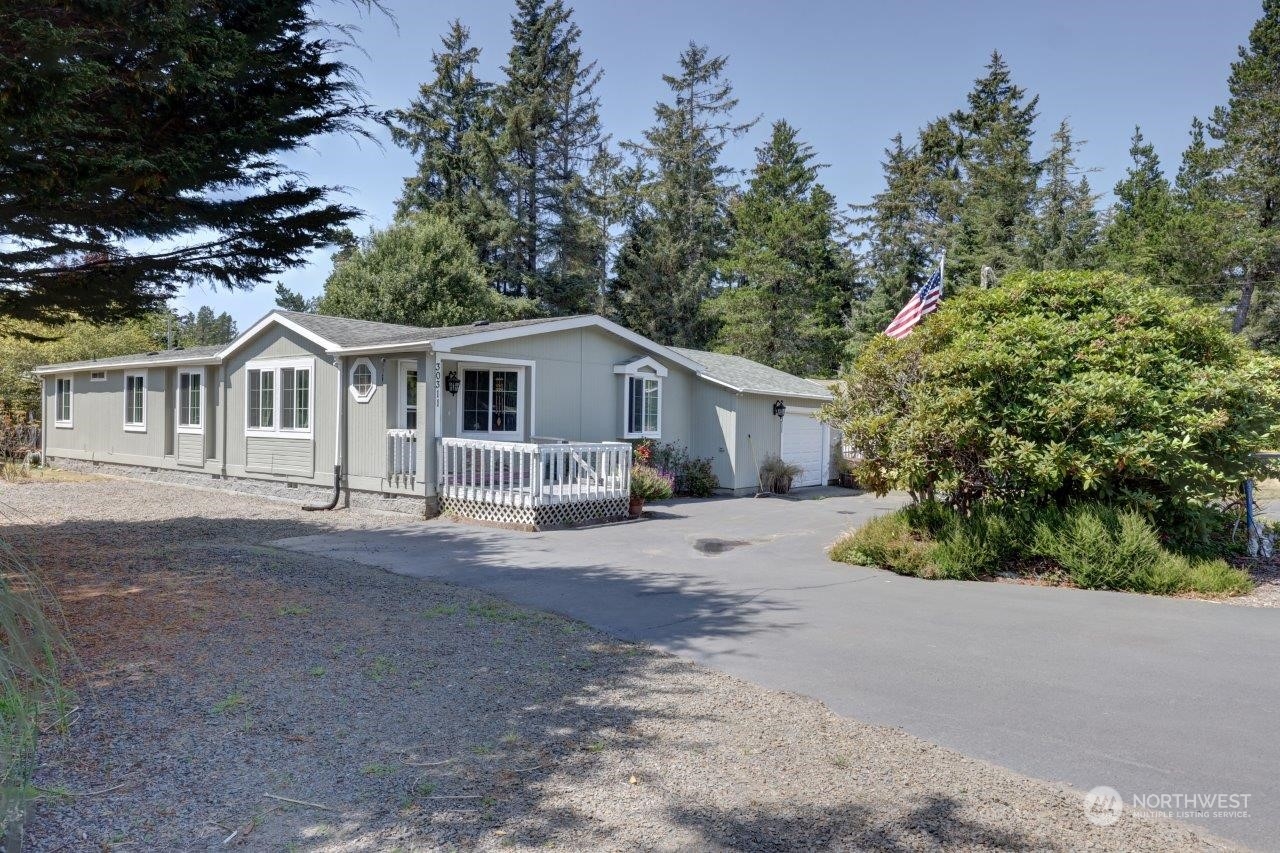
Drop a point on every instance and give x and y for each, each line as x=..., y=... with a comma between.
x=534, y=484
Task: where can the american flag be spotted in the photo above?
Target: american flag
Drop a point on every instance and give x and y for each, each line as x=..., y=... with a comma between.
x=924, y=301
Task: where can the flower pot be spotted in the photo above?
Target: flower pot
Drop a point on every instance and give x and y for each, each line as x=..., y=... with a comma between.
x=635, y=507
x=847, y=481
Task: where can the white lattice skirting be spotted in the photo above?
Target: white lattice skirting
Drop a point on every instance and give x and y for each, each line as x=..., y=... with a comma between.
x=535, y=517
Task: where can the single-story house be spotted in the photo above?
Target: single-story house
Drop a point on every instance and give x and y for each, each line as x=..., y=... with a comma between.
x=524, y=422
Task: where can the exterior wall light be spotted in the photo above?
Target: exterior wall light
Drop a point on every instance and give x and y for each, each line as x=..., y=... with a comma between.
x=779, y=409
x=451, y=382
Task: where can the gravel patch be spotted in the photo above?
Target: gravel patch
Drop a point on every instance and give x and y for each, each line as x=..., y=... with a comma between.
x=384, y=712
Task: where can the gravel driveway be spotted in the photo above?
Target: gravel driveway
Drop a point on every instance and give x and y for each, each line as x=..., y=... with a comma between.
x=381, y=711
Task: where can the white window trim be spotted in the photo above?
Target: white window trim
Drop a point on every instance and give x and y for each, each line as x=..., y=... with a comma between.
x=373, y=380
x=69, y=421
x=626, y=403
x=139, y=426
x=489, y=367
x=188, y=429
x=97, y=376
x=275, y=430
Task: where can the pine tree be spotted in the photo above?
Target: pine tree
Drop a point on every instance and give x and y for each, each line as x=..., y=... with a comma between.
x=1000, y=175
x=1063, y=229
x=663, y=280
x=450, y=127
x=203, y=328
x=788, y=274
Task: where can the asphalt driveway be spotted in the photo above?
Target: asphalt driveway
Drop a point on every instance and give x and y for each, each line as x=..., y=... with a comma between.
x=1146, y=695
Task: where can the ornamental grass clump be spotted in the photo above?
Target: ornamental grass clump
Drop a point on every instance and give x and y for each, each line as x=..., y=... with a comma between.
x=1087, y=404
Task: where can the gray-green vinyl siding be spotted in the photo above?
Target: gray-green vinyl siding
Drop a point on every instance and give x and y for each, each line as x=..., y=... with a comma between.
x=295, y=458
x=576, y=394
x=97, y=418
x=190, y=449
x=368, y=422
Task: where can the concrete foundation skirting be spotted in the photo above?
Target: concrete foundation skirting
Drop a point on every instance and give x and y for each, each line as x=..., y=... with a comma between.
x=301, y=493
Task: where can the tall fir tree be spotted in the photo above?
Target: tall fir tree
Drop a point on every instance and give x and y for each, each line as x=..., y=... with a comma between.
x=788, y=274
x=664, y=277
x=450, y=127
x=1000, y=175
x=1135, y=235
x=1063, y=228
x=899, y=245
x=551, y=130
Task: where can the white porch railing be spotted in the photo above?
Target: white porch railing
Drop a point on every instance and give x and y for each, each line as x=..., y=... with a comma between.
x=533, y=474
x=402, y=457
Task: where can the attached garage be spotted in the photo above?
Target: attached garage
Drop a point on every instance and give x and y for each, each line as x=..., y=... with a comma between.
x=738, y=424
x=805, y=443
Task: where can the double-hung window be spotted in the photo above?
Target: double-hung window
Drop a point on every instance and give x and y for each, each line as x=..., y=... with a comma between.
x=491, y=401
x=279, y=397
x=190, y=401
x=62, y=401
x=642, y=397
x=135, y=402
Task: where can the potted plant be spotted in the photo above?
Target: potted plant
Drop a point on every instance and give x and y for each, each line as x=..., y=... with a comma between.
x=647, y=484
x=844, y=469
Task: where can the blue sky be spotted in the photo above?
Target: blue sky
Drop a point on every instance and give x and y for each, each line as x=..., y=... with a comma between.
x=848, y=74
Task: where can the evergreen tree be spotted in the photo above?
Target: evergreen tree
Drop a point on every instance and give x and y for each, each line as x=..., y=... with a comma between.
x=899, y=252
x=1063, y=229
x=203, y=328
x=1000, y=176
x=550, y=131
x=450, y=127
x=292, y=300
x=788, y=276
x=664, y=276
x=1136, y=232
x=1245, y=170
x=141, y=149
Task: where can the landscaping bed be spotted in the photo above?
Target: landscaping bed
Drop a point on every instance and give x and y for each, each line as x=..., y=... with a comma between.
x=234, y=695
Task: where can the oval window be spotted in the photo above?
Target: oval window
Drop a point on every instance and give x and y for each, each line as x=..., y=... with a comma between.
x=362, y=380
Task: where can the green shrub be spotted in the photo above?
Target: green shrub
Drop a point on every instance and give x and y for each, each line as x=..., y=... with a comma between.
x=650, y=484
x=691, y=476
x=1095, y=546
x=1063, y=388
x=889, y=542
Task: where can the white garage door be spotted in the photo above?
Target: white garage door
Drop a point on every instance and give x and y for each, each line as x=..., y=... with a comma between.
x=802, y=445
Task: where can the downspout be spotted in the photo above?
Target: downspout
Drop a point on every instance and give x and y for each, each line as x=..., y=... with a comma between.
x=339, y=412
x=44, y=423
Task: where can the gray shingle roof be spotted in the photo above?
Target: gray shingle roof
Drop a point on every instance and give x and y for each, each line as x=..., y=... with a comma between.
x=159, y=357
x=365, y=333
x=752, y=376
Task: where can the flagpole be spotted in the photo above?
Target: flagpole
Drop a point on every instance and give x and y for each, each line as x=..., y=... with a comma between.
x=942, y=268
